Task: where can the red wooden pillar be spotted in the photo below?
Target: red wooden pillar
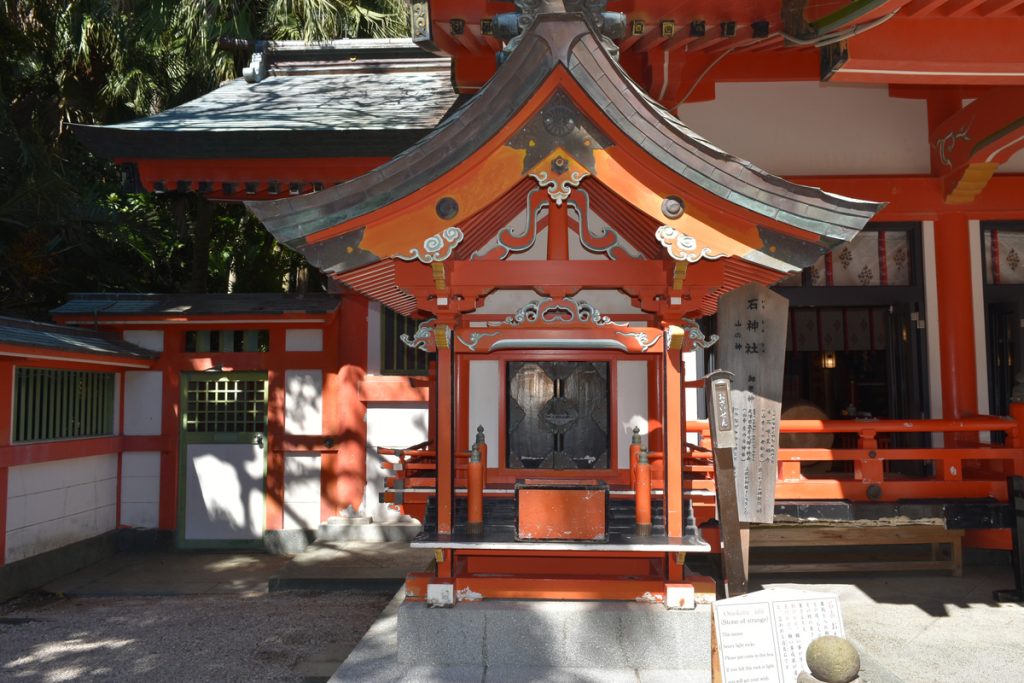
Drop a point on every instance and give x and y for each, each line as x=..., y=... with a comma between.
x=445, y=452
x=956, y=333
x=170, y=426
x=274, y=513
x=343, y=473
x=332, y=412
x=674, y=427
x=6, y=413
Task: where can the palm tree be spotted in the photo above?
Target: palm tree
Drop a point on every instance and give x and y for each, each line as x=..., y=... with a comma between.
x=62, y=216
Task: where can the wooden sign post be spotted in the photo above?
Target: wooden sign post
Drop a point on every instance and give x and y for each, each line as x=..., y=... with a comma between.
x=752, y=323
x=717, y=388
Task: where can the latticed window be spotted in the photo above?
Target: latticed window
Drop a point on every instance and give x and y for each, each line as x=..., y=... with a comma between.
x=396, y=357
x=227, y=341
x=62, y=404
x=225, y=405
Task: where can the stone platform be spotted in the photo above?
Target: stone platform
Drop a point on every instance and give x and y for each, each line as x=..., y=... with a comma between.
x=514, y=640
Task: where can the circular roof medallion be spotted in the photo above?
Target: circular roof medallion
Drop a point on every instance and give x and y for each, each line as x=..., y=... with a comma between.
x=673, y=207
x=446, y=208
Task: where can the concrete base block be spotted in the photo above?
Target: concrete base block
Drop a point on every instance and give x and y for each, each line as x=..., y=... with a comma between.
x=581, y=635
x=341, y=529
x=38, y=570
x=287, y=541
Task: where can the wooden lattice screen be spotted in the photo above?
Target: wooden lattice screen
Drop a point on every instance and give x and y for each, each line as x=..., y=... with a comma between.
x=226, y=405
x=62, y=404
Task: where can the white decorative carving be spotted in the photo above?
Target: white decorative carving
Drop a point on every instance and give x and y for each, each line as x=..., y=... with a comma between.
x=559, y=190
x=436, y=247
x=641, y=338
x=474, y=339
x=557, y=311
x=944, y=145
x=683, y=247
x=423, y=339
x=696, y=335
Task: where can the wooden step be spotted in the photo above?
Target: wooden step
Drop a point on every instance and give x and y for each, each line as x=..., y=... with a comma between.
x=828, y=536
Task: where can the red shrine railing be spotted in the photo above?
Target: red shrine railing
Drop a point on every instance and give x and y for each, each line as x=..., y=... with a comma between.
x=869, y=467
x=867, y=462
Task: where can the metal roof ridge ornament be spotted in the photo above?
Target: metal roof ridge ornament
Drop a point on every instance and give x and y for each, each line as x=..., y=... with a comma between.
x=683, y=247
x=608, y=26
x=436, y=248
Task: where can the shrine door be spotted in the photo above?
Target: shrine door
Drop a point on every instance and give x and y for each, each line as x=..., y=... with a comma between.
x=223, y=463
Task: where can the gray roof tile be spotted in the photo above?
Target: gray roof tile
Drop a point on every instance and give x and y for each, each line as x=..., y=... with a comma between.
x=195, y=304
x=37, y=335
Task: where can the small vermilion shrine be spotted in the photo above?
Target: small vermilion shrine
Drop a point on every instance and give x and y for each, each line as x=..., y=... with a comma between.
x=561, y=233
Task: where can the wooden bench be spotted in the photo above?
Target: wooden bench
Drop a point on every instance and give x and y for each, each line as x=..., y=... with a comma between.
x=805, y=535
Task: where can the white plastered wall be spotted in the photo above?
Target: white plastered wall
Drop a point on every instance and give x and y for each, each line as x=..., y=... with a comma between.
x=303, y=402
x=147, y=339
x=143, y=402
x=53, y=504
x=484, y=394
x=816, y=128
x=978, y=322
x=931, y=318
x=630, y=406
x=389, y=425
x=140, y=489
x=301, y=491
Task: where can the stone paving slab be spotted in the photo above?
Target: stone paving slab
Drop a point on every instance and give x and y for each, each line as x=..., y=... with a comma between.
x=341, y=565
x=172, y=573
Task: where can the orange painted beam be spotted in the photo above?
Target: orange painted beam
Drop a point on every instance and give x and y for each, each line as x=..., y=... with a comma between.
x=917, y=50
x=970, y=145
x=915, y=198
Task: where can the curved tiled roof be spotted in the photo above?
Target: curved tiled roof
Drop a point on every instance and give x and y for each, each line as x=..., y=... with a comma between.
x=564, y=40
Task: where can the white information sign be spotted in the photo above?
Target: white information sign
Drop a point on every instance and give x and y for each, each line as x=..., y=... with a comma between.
x=762, y=637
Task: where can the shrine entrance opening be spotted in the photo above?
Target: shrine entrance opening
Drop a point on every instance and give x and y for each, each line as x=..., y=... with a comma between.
x=557, y=415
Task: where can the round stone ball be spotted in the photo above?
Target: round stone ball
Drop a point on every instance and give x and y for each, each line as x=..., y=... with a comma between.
x=833, y=660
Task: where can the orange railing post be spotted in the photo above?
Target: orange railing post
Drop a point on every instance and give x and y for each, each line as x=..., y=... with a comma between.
x=643, y=494
x=475, y=493
x=868, y=469
x=481, y=445
x=634, y=453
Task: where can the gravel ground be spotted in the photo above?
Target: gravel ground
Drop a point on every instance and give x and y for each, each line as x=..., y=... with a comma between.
x=240, y=637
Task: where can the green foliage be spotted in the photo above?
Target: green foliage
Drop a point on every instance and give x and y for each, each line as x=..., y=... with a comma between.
x=65, y=224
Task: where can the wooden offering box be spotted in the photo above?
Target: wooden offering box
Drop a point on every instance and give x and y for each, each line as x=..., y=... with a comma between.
x=561, y=510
